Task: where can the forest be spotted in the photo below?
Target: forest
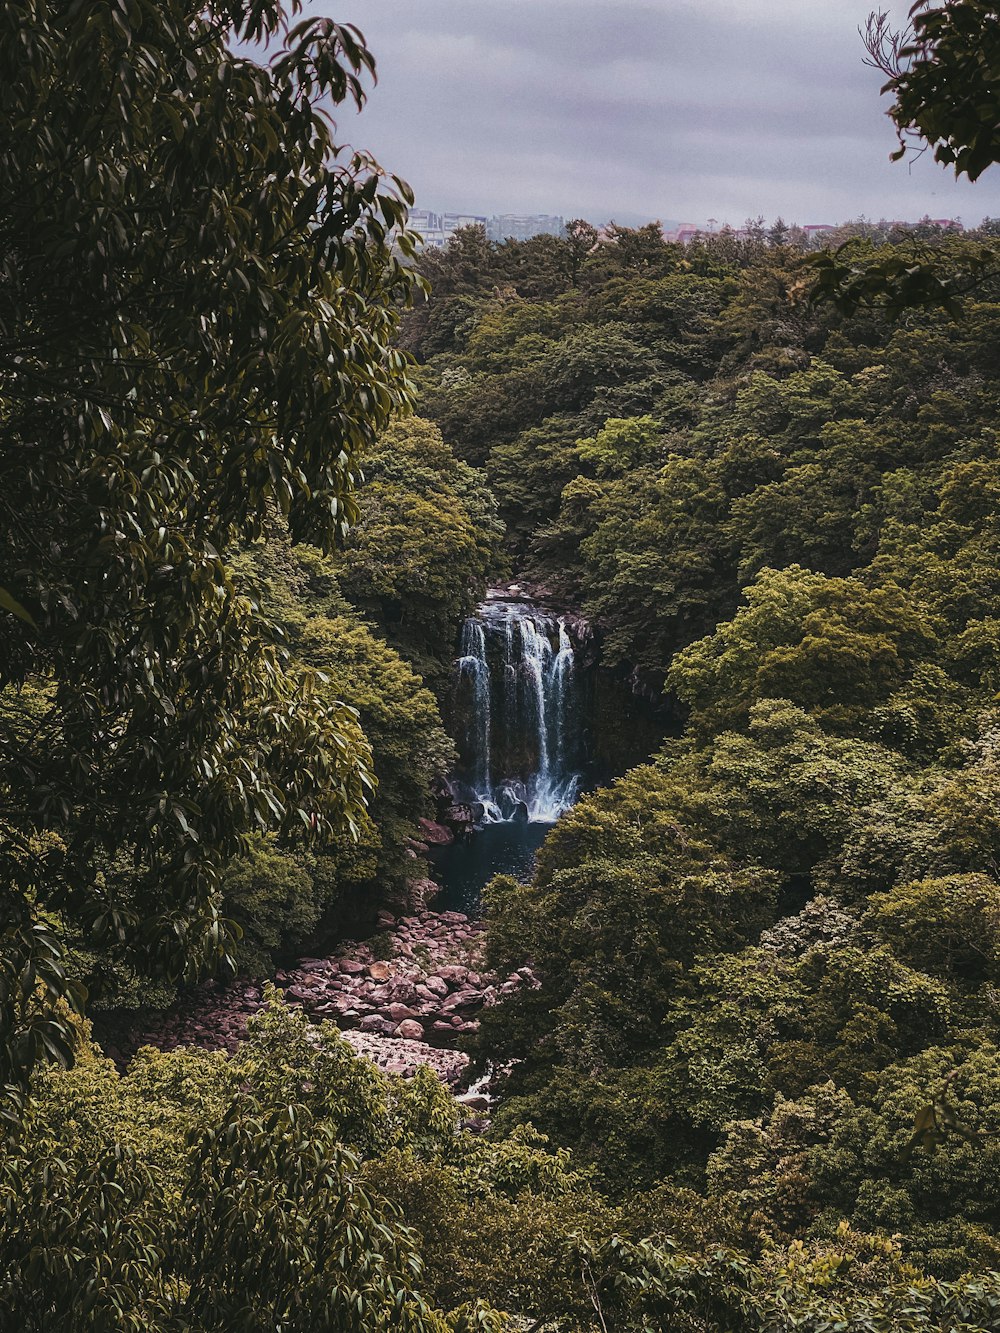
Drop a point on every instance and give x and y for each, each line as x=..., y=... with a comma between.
x=263, y=458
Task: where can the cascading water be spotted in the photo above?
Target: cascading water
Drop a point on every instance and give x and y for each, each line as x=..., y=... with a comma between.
x=472, y=667
x=516, y=708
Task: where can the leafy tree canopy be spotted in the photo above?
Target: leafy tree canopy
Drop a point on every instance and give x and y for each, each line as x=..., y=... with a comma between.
x=197, y=297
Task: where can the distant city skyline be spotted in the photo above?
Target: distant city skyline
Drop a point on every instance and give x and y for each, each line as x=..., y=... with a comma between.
x=642, y=109
x=448, y=219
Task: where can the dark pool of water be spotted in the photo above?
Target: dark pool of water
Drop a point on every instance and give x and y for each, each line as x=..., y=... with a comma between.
x=464, y=867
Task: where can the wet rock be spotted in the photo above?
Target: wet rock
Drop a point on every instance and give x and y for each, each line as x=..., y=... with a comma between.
x=462, y=818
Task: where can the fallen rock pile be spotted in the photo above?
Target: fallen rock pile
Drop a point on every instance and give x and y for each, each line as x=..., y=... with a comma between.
x=407, y=1006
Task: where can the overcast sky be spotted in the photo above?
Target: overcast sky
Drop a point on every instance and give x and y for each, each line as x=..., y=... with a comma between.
x=640, y=109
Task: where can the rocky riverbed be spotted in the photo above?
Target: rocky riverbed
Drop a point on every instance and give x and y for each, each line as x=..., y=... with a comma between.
x=405, y=998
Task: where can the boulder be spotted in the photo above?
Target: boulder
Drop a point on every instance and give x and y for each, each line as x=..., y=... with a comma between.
x=474, y=1101
x=409, y=1029
x=377, y=1024
x=419, y=892
x=452, y=972
x=380, y=971
x=399, y=1012
x=462, y=818
x=435, y=833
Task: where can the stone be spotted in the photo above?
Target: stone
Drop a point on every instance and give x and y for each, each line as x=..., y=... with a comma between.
x=409, y=1029
x=435, y=833
x=435, y=986
x=380, y=971
x=475, y=1101
x=462, y=818
x=463, y=999
x=399, y=1012
x=351, y=966
x=419, y=892
x=452, y=972
x=377, y=1024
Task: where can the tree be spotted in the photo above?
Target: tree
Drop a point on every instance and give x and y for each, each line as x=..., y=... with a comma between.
x=942, y=74
x=832, y=646
x=197, y=296
x=428, y=539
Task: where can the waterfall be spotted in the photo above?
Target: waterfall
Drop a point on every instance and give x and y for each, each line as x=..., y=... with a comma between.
x=472, y=666
x=515, y=696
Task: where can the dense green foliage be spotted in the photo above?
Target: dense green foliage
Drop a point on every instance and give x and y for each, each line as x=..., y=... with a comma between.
x=426, y=543
x=753, y=1082
x=763, y=953
x=281, y=895
x=294, y=1187
x=197, y=298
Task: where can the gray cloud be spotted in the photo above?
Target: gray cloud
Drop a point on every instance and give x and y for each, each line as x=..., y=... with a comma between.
x=635, y=109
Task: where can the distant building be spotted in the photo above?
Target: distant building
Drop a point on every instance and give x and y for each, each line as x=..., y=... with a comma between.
x=683, y=234
x=452, y=221
x=522, y=226
x=437, y=229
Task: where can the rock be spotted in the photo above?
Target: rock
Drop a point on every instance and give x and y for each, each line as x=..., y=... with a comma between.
x=461, y=817
x=452, y=972
x=474, y=1101
x=351, y=967
x=380, y=971
x=463, y=999
x=399, y=1012
x=421, y=891
x=435, y=833
x=435, y=986
x=376, y=1023
x=409, y=1030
